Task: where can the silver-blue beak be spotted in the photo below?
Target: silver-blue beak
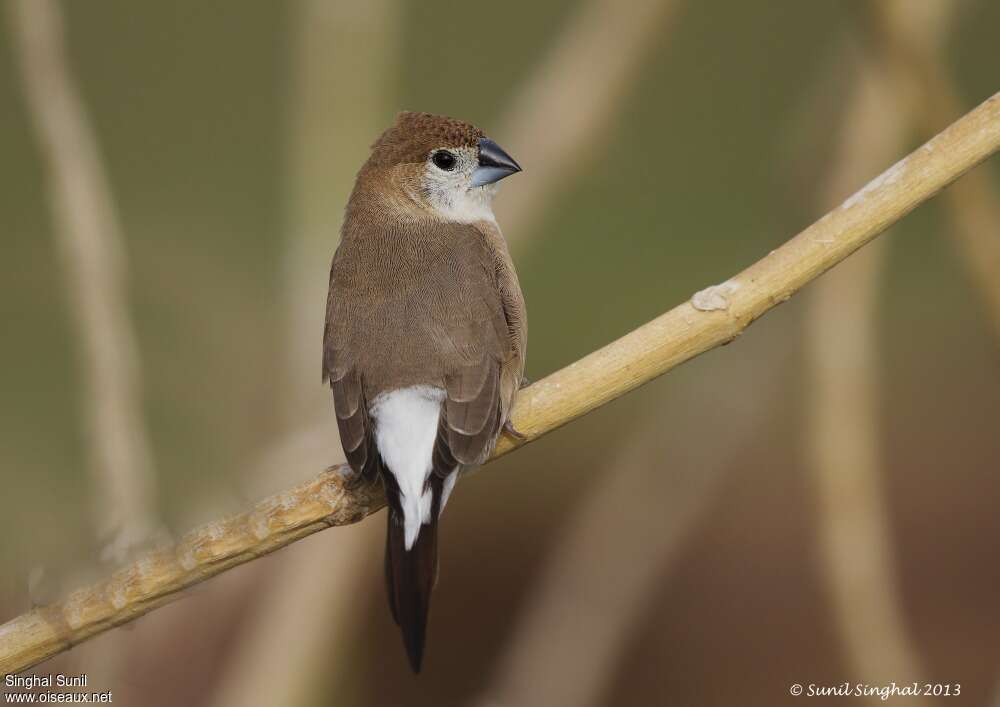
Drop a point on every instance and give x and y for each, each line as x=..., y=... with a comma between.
x=494, y=164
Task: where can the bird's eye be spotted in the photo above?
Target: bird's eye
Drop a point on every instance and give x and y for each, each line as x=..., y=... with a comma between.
x=444, y=160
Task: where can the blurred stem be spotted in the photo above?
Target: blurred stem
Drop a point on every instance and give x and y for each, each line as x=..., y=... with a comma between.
x=843, y=431
x=712, y=317
x=583, y=81
x=344, y=56
x=578, y=617
x=904, y=88
x=909, y=36
x=591, y=595
x=92, y=254
x=344, y=70
x=309, y=610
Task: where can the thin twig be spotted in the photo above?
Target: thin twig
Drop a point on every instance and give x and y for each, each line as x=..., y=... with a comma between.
x=855, y=544
x=94, y=270
x=712, y=317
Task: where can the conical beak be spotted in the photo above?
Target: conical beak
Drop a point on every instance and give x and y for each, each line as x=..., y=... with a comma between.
x=494, y=164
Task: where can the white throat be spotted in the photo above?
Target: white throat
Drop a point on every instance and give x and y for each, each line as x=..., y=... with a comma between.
x=463, y=205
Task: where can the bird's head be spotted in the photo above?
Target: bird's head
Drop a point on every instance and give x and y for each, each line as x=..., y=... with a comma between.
x=443, y=165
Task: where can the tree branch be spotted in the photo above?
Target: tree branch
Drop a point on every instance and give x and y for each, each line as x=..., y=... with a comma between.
x=712, y=317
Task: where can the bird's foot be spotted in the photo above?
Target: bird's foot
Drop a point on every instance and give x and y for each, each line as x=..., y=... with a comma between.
x=353, y=480
x=509, y=428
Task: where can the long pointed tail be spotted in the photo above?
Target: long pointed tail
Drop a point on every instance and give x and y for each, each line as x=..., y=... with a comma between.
x=410, y=576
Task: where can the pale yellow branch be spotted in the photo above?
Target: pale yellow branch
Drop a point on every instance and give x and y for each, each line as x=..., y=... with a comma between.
x=712, y=317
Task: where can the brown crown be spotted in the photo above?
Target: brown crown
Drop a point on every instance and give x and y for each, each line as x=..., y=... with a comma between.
x=414, y=135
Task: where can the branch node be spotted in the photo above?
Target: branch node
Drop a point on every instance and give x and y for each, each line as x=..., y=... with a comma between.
x=715, y=297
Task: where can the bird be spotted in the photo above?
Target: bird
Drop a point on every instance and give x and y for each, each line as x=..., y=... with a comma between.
x=425, y=336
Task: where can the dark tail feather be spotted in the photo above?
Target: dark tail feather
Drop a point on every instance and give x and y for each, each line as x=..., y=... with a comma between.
x=410, y=576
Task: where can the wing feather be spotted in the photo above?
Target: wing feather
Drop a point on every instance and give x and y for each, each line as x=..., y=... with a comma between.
x=434, y=305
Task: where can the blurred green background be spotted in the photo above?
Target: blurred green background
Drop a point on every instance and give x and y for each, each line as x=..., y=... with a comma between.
x=715, y=153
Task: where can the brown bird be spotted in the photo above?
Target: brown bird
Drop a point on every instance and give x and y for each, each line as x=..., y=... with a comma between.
x=425, y=335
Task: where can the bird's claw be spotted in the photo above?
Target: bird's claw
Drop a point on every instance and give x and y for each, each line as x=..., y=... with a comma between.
x=352, y=480
x=509, y=428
